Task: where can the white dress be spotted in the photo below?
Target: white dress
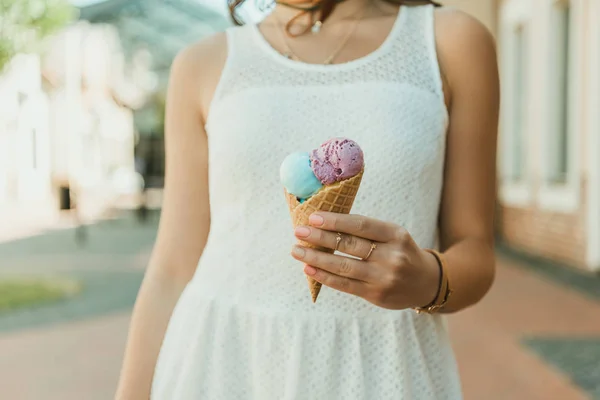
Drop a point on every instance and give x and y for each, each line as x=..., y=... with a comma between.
x=245, y=327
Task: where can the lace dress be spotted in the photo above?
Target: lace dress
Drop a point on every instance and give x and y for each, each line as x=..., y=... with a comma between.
x=245, y=326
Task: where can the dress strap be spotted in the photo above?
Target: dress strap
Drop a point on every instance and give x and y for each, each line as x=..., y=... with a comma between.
x=417, y=38
x=235, y=46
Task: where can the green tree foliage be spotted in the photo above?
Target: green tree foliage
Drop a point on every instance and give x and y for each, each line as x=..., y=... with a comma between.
x=24, y=23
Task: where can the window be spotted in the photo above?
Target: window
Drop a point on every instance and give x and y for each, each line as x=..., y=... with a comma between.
x=557, y=158
x=516, y=56
x=518, y=104
x=593, y=141
x=34, y=149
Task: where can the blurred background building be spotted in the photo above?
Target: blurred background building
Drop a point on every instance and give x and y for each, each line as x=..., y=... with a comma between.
x=79, y=113
x=549, y=144
x=549, y=147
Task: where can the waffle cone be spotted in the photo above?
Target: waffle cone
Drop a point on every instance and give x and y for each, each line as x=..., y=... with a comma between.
x=338, y=198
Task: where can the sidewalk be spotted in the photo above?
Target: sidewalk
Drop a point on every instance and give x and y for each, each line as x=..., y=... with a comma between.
x=529, y=339
x=73, y=361
x=22, y=221
x=19, y=222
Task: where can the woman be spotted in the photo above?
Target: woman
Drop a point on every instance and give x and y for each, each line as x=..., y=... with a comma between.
x=417, y=87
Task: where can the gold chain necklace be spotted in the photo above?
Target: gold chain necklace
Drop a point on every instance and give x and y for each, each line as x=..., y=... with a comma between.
x=290, y=54
x=312, y=7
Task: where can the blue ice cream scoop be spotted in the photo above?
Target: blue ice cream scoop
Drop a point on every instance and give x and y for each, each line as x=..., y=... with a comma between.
x=298, y=177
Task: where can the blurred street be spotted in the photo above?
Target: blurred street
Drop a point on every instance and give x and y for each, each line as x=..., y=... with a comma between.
x=535, y=336
x=71, y=349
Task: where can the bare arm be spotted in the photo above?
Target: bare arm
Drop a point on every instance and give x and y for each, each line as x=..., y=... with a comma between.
x=468, y=58
x=185, y=219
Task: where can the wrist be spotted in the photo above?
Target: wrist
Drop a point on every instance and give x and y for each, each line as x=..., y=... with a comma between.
x=432, y=280
x=443, y=287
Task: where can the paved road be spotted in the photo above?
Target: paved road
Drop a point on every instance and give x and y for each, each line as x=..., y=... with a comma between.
x=110, y=266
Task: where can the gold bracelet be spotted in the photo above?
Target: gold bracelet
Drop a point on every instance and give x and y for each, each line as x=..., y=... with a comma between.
x=444, y=291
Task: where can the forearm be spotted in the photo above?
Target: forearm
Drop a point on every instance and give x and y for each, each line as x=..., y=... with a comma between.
x=155, y=303
x=471, y=270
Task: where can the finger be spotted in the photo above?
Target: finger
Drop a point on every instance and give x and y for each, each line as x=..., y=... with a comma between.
x=356, y=225
x=335, y=264
x=348, y=244
x=336, y=282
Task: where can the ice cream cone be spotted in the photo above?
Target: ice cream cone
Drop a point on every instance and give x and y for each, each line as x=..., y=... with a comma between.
x=337, y=198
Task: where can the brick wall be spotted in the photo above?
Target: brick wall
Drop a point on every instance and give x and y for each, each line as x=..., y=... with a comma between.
x=556, y=236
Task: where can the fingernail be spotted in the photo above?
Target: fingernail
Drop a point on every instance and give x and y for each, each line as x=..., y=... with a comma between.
x=316, y=220
x=308, y=270
x=302, y=231
x=298, y=252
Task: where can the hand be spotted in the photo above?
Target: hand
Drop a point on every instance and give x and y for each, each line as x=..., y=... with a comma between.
x=397, y=275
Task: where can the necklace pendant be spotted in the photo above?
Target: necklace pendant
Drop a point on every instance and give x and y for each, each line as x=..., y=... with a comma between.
x=316, y=28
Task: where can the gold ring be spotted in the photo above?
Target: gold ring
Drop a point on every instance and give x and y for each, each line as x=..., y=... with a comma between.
x=338, y=240
x=373, y=247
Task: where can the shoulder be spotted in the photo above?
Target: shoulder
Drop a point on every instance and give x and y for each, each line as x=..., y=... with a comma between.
x=461, y=36
x=197, y=68
x=465, y=45
x=456, y=28
x=201, y=56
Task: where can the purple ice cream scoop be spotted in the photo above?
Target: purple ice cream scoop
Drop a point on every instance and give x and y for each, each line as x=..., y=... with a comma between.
x=336, y=160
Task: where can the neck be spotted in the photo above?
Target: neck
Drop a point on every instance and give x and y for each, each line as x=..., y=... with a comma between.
x=343, y=10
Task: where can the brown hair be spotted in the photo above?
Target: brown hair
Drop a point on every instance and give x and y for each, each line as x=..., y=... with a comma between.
x=325, y=6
